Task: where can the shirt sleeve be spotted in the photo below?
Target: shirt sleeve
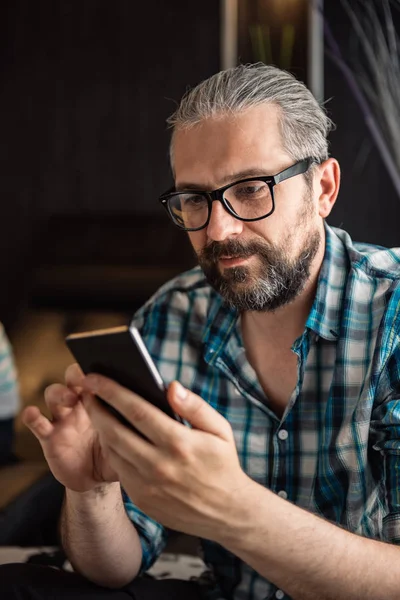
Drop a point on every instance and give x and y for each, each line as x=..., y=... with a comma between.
x=9, y=389
x=152, y=535
x=385, y=429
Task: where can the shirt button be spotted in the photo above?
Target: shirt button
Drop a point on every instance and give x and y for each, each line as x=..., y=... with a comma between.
x=279, y=594
x=283, y=434
x=283, y=494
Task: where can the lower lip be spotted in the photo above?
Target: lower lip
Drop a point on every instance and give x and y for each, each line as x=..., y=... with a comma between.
x=233, y=262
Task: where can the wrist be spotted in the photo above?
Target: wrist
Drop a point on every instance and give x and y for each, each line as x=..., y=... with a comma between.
x=95, y=495
x=242, y=517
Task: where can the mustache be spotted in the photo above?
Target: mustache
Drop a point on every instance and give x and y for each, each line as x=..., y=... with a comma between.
x=232, y=248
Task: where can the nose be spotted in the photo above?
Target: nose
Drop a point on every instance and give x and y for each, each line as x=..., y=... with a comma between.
x=222, y=225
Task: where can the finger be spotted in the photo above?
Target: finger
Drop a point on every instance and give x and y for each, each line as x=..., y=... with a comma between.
x=120, y=464
x=158, y=427
x=74, y=376
x=197, y=412
x=130, y=446
x=59, y=400
x=70, y=398
x=37, y=423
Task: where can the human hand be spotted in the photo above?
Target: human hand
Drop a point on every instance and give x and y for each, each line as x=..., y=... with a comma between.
x=188, y=479
x=69, y=442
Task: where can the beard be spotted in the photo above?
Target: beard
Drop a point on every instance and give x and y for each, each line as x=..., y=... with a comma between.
x=276, y=281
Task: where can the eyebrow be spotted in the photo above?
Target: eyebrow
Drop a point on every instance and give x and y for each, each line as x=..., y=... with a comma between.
x=224, y=181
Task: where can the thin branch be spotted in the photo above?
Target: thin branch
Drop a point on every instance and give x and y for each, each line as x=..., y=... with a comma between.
x=375, y=84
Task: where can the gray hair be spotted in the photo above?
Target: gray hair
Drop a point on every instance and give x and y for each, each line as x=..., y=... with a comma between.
x=304, y=124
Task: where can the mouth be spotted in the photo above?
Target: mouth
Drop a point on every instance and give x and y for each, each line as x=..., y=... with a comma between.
x=233, y=261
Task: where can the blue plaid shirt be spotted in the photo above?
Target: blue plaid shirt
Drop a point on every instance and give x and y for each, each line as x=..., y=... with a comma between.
x=336, y=450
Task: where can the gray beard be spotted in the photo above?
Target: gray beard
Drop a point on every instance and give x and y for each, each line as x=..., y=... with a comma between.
x=277, y=281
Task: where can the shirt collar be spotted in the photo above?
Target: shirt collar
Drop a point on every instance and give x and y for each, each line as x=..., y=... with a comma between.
x=326, y=312
x=221, y=320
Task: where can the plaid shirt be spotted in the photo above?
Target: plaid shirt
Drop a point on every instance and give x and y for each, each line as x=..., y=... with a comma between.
x=336, y=450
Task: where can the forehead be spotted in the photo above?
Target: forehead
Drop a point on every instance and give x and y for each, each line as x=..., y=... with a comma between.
x=208, y=152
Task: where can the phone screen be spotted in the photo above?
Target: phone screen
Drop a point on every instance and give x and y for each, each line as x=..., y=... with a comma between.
x=121, y=354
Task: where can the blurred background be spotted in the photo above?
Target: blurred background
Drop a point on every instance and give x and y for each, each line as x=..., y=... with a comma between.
x=86, y=87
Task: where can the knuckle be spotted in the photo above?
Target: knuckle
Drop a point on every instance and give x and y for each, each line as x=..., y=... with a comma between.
x=181, y=449
x=137, y=414
x=197, y=409
x=163, y=472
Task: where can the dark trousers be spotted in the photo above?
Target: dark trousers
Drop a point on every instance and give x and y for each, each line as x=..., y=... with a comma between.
x=37, y=582
x=7, y=438
x=32, y=518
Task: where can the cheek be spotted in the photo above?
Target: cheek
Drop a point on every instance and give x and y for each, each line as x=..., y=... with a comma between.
x=198, y=239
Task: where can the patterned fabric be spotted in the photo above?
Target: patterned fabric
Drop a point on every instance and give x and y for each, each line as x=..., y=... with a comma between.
x=168, y=566
x=336, y=450
x=9, y=393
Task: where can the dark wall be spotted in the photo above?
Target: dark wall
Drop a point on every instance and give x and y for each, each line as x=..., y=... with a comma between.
x=86, y=86
x=368, y=206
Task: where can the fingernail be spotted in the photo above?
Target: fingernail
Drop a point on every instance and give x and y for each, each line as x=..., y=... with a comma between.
x=180, y=391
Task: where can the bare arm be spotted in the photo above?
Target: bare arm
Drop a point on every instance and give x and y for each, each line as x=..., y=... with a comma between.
x=191, y=480
x=99, y=539
x=307, y=557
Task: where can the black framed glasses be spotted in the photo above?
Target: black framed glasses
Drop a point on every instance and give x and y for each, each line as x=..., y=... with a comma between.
x=249, y=199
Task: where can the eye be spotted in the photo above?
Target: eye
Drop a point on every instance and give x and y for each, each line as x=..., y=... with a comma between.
x=192, y=201
x=249, y=190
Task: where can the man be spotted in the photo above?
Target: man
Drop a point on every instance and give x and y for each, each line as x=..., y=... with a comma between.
x=283, y=353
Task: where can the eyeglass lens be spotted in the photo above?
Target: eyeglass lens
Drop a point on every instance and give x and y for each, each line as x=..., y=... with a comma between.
x=248, y=200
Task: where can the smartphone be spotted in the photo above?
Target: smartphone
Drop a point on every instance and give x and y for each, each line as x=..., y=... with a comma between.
x=120, y=354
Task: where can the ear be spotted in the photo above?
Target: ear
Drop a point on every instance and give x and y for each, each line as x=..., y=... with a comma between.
x=328, y=183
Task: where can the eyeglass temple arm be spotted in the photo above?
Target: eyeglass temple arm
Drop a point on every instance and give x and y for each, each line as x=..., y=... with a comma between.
x=297, y=169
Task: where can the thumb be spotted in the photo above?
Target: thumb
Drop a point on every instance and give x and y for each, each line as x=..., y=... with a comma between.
x=197, y=412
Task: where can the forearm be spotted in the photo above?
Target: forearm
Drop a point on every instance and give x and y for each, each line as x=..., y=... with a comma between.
x=307, y=557
x=99, y=539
